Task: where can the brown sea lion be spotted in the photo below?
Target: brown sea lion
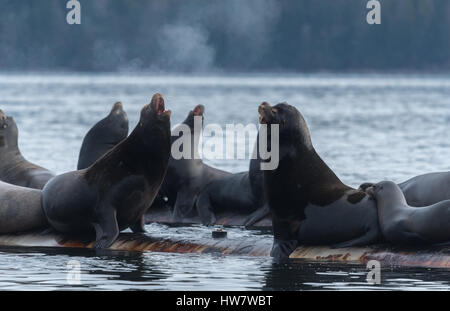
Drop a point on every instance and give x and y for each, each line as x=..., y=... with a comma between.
x=115, y=192
x=308, y=202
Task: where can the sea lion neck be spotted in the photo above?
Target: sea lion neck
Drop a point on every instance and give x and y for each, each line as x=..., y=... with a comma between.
x=135, y=154
x=388, y=196
x=311, y=176
x=195, y=124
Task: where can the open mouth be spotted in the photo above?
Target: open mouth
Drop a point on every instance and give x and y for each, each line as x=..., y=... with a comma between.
x=198, y=110
x=263, y=113
x=159, y=105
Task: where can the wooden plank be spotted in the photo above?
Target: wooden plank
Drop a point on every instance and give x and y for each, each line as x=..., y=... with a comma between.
x=387, y=255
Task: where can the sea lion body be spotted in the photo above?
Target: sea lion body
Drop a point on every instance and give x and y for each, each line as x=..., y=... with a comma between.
x=115, y=192
x=103, y=136
x=427, y=189
x=423, y=190
x=20, y=209
x=186, y=177
x=232, y=193
x=308, y=202
x=402, y=224
x=241, y=193
x=14, y=168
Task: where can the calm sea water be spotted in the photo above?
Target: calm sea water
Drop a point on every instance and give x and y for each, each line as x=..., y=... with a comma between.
x=366, y=127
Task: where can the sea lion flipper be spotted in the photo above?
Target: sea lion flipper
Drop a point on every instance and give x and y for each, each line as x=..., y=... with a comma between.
x=106, y=229
x=281, y=249
x=204, y=209
x=139, y=226
x=257, y=215
x=184, y=203
x=365, y=186
x=363, y=240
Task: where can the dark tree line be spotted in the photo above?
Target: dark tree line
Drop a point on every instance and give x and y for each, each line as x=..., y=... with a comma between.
x=225, y=35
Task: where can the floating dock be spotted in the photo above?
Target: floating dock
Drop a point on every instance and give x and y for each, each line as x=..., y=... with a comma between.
x=386, y=255
x=164, y=216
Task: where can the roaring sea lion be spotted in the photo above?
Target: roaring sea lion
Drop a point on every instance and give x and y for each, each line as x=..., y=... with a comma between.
x=14, y=169
x=103, y=136
x=405, y=225
x=115, y=192
x=186, y=177
x=423, y=190
x=308, y=202
x=20, y=209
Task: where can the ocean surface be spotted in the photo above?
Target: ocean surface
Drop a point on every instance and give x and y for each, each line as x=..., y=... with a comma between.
x=366, y=127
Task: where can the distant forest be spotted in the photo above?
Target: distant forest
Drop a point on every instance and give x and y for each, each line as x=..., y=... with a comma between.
x=225, y=36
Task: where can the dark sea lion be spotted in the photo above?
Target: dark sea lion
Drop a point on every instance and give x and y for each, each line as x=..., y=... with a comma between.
x=405, y=225
x=14, y=169
x=103, y=136
x=308, y=202
x=423, y=190
x=186, y=177
x=240, y=193
x=20, y=209
x=115, y=192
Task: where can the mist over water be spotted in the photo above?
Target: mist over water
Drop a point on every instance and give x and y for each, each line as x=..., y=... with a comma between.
x=365, y=127
x=225, y=36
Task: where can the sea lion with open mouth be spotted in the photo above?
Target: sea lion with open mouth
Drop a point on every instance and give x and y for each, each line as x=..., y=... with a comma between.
x=186, y=177
x=14, y=168
x=308, y=202
x=116, y=191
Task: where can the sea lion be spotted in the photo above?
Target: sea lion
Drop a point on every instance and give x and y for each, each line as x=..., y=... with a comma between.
x=14, y=169
x=103, y=136
x=186, y=177
x=20, y=209
x=405, y=225
x=308, y=202
x=241, y=193
x=115, y=192
x=423, y=190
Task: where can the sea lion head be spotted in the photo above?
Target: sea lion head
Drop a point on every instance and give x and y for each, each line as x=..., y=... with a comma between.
x=386, y=189
x=290, y=120
x=118, y=117
x=155, y=113
x=198, y=111
x=8, y=130
x=154, y=124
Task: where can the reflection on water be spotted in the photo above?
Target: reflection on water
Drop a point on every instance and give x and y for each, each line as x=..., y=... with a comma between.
x=45, y=269
x=366, y=127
